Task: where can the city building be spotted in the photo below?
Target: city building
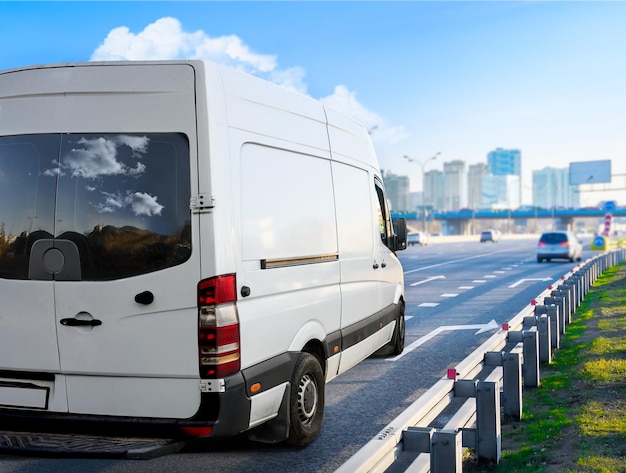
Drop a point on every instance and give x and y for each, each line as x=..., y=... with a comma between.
x=397, y=188
x=455, y=185
x=500, y=192
x=475, y=174
x=502, y=162
x=551, y=189
x=434, y=190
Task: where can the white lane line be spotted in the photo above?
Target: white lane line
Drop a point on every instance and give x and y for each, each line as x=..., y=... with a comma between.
x=427, y=280
x=428, y=304
x=466, y=287
x=420, y=341
x=449, y=295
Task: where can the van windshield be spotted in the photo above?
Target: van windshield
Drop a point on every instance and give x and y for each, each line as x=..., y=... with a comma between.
x=122, y=199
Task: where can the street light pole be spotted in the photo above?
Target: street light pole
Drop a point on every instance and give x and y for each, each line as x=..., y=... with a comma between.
x=422, y=165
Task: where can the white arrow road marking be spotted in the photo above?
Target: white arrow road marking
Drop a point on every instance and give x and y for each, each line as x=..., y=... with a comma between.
x=427, y=280
x=420, y=341
x=522, y=281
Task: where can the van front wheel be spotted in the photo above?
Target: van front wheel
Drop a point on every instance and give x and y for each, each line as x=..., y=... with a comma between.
x=306, y=408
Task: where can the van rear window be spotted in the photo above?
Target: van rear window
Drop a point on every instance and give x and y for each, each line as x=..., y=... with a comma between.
x=122, y=199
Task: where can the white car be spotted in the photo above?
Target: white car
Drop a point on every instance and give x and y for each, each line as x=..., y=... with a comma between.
x=490, y=235
x=559, y=245
x=417, y=238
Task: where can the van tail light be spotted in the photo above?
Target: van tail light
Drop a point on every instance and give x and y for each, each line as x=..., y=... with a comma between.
x=564, y=244
x=542, y=244
x=218, y=327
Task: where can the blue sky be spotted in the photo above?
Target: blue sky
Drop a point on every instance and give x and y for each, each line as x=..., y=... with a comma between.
x=460, y=78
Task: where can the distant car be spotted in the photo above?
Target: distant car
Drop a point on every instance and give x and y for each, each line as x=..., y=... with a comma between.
x=417, y=238
x=490, y=235
x=559, y=245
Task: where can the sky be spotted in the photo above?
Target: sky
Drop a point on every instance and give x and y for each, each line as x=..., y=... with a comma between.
x=456, y=78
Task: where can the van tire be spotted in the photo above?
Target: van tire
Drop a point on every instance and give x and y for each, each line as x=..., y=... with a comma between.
x=395, y=346
x=306, y=401
x=398, y=334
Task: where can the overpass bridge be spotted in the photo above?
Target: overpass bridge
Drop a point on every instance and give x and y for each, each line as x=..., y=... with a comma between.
x=466, y=221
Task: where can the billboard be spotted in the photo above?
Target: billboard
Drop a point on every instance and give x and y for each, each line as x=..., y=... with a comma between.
x=590, y=172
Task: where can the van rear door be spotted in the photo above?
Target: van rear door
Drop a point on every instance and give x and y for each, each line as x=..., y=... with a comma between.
x=99, y=262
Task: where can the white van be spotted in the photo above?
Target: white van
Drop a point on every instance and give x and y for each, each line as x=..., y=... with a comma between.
x=182, y=244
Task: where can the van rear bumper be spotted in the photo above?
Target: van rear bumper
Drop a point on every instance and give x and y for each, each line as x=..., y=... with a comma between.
x=226, y=413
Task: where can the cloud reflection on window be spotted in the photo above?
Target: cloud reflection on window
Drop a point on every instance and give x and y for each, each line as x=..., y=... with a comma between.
x=139, y=202
x=99, y=157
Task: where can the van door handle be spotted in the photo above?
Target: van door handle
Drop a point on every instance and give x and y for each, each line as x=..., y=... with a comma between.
x=375, y=266
x=383, y=264
x=80, y=323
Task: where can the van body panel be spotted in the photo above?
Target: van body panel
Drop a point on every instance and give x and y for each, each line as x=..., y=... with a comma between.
x=27, y=332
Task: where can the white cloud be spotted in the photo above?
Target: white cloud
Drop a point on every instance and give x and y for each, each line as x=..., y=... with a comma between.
x=166, y=39
x=345, y=101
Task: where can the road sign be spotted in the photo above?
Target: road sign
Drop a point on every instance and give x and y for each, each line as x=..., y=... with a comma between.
x=607, y=224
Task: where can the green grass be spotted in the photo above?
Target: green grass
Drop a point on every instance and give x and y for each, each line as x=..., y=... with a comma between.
x=575, y=421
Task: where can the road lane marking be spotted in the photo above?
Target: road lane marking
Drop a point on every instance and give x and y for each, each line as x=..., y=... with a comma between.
x=521, y=281
x=420, y=341
x=427, y=280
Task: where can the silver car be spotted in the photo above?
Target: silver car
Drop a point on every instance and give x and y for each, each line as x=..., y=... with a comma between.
x=559, y=245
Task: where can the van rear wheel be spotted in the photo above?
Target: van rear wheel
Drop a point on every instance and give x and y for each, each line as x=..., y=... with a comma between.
x=306, y=408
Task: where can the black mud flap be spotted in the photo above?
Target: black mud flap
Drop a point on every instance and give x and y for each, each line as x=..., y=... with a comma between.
x=85, y=446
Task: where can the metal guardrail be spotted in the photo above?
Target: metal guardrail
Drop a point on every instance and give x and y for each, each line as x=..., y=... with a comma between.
x=464, y=409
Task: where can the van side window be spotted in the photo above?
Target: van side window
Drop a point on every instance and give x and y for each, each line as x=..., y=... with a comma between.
x=384, y=218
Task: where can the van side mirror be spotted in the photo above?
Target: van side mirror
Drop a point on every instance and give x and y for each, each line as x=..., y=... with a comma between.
x=401, y=235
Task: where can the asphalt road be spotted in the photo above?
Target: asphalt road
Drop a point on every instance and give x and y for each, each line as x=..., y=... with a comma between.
x=457, y=295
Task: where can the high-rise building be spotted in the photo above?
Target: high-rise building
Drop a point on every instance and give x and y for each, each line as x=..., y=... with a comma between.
x=551, y=189
x=397, y=188
x=455, y=185
x=475, y=173
x=434, y=190
x=500, y=192
x=503, y=162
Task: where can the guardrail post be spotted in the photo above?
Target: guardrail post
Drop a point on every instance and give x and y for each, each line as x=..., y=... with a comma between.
x=446, y=452
x=530, y=368
x=565, y=293
x=558, y=301
x=555, y=331
x=489, y=435
x=417, y=439
x=545, y=344
x=512, y=383
x=573, y=296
